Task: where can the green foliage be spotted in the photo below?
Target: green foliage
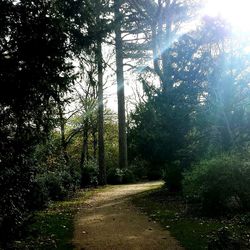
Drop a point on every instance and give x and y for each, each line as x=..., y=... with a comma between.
x=111, y=143
x=224, y=239
x=39, y=197
x=200, y=109
x=154, y=172
x=140, y=169
x=203, y=109
x=157, y=133
x=34, y=45
x=169, y=211
x=89, y=174
x=173, y=176
x=245, y=219
x=51, y=186
x=120, y=176
x=55, y=183
x=128, y=176
x=76, y=123
x=161, y=127
x=54, y=179
x=220, y=183
x=114, y=175
x=158, y=129
x=52, y=228
x=15, y=185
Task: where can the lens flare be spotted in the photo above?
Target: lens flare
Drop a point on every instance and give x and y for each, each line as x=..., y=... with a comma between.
x=235, y=12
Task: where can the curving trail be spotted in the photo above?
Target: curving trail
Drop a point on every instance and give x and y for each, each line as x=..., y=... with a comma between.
x=109, y=221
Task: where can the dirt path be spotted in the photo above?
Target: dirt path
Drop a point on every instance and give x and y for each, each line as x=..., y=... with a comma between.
x=110, y=222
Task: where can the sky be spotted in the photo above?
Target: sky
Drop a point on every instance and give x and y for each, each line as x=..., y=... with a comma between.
x=235, y=12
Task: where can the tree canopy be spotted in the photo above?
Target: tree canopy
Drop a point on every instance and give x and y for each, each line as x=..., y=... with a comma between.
x=59, y=61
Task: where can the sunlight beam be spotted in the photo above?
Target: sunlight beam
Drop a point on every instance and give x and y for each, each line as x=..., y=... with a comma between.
x=235, y=12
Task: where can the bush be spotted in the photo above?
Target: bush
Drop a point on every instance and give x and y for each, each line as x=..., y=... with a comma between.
x=139, y=169
x=89, y=174
x=225, y=239
x=128, y=176
x=51, y=185
x=172, y=176
x=15, y=185
x=114, y=176
x=119, y=176
x=55, y=184
x=220, y=183
x=39, y=197
x=154, y=173
x=144, y=170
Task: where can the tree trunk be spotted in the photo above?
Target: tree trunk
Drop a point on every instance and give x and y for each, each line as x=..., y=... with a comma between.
x=94, y=144
x=84, y=150
x=123, y=159
x=62, y=128
x=101, y=155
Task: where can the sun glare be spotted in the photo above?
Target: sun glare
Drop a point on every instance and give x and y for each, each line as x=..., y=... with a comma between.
x=237, y=13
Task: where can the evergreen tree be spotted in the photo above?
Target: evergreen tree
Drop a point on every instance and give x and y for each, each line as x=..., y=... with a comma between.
x=34, y=45
x=123, y=162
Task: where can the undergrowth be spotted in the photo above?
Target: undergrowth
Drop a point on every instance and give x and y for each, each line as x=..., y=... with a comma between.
x=53, y=227
x=191, y=229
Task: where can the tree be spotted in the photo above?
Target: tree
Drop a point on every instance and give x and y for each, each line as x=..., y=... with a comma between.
x=98, y=26
x=227, y=97
x=151, y=27
x=34, y=43
x=162, y=128
x=206, y=98
x=101, y=155
x=123, y=162
x=142, y=27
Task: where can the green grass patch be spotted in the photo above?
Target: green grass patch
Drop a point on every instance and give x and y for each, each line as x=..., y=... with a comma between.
x=53, y=227
x=193, y=232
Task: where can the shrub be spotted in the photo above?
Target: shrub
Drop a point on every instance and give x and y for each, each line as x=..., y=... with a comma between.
x=144, y=170
x=119, y=176
x=51, y=185
x=89, y=174
x=220, y=183
x=172, y=176
x=39, y=197
x=15, y=185
x=139, y=169
x=245, y=219
x=154, y=173
x=54, y=184
x=225, y=239
x=128, y=176
x=114, y=176
x=56, y=188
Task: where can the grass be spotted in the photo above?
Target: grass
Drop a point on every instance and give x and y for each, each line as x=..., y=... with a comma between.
x=193, y=232
x=53, y=227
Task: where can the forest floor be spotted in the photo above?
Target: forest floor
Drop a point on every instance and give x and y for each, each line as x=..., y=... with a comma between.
x=131, y=217
x=190, y=226
x=109, y=220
